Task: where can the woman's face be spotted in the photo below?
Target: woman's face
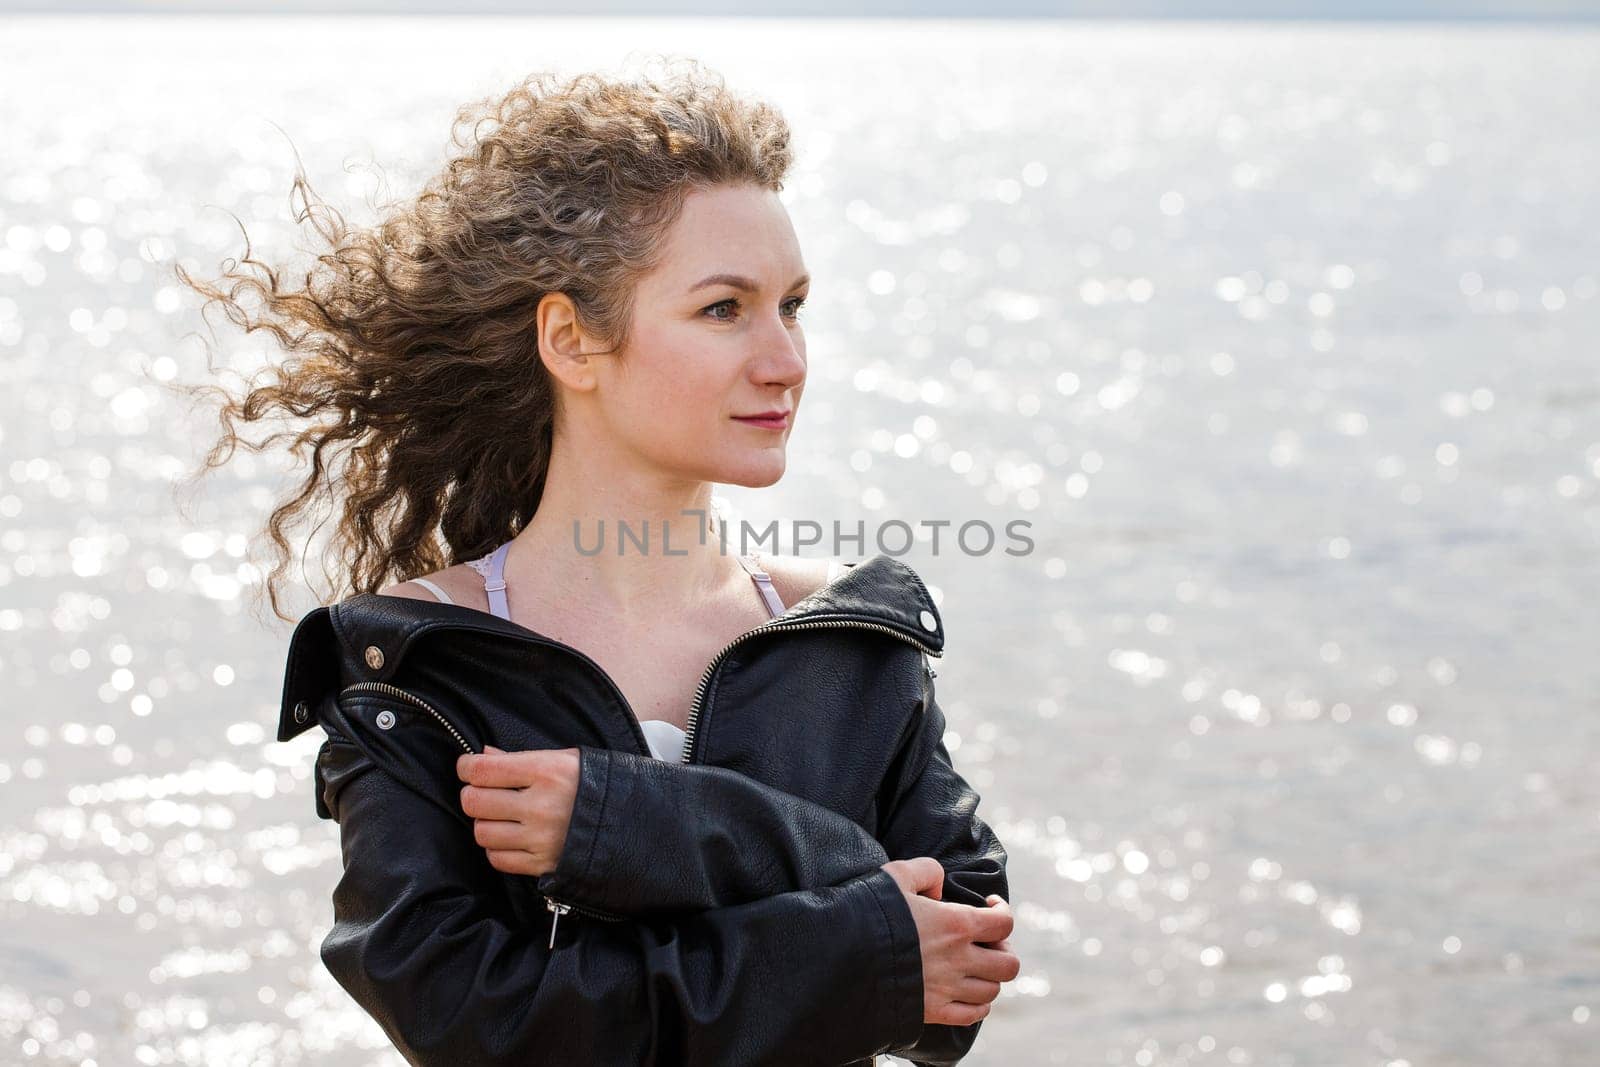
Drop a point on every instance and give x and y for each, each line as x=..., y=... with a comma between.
x=716, y=336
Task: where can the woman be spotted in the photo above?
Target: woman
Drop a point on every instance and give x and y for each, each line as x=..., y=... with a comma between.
x=728, y=773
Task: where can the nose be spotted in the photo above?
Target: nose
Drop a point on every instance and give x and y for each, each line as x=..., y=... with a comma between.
x=782, y=358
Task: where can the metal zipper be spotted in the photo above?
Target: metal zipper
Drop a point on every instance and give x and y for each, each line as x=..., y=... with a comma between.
x=529, y=636
x=809, y=624
x=558, y=907
x=401, y=694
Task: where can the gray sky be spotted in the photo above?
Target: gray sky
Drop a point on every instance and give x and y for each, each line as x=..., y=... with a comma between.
x=1366, y=10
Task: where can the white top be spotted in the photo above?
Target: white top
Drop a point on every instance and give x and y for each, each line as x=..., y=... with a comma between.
x=664, y=738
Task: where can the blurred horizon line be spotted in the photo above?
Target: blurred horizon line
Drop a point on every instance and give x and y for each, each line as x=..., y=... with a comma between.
x=1431, y=11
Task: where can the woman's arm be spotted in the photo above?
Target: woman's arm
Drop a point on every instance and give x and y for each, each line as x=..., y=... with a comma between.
x=824, y=975
x=645, y=834
x=648, y=836
x=652, y=837
x=932, y=811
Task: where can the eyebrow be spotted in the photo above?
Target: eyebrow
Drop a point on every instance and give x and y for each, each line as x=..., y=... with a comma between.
x=739, y=281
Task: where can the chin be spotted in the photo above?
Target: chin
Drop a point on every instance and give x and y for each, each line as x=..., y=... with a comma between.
x=760, y=472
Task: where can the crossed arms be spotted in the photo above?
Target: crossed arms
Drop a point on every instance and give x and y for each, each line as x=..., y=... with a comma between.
x=772, y=936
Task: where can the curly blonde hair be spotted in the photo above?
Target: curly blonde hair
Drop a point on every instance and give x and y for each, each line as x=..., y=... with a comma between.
x=406, y=332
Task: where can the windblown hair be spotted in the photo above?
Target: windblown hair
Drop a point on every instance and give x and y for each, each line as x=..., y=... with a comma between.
x=405, y=334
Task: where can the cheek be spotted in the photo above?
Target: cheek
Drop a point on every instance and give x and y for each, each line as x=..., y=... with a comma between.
x=660, y=369
x=680, y=392
x=677, y=398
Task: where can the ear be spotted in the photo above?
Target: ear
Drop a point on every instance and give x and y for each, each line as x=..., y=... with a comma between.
x=568, y=353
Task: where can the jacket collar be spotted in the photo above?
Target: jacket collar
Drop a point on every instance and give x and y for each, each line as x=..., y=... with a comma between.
x=880, y=590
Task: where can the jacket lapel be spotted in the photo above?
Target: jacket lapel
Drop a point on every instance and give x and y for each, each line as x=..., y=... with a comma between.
x=365, y=637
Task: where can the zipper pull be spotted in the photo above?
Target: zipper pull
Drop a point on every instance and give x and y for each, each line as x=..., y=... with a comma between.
x=559, y=910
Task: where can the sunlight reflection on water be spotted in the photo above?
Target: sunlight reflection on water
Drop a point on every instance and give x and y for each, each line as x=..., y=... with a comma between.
x=1282, y=340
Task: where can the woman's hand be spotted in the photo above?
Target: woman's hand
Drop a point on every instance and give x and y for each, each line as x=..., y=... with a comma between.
x=966, y=951
x=521, y=805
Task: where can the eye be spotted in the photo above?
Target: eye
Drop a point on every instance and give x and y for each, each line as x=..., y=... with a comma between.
x=794, y=303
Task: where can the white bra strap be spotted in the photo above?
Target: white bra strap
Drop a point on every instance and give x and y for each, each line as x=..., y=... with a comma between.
x=763, y=585
x=440, y=593
x=494, y=583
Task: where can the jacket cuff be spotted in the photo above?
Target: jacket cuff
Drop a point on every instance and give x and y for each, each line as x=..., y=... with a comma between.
x=901, y=996
x=570, y=880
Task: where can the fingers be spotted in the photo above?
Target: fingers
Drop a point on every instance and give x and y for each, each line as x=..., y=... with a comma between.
x=957, y=1013
x=993, y=964
x=992, y=923
x=922, y=876
x=503, y=770
x=513, y=861
x=497, y=834
x=991, y=927
x=927, y=876
x=488, y=803
x=976, y=990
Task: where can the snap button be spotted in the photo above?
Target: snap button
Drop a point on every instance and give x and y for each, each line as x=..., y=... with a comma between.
x=385, y=719
x=928, y=621
x=301, y=712
x=374, y=657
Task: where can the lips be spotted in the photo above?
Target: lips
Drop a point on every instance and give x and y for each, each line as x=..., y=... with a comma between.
x=769, y=420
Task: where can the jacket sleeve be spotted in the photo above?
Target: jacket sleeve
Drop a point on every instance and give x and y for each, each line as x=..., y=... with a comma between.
x=424, y=939
x=932, y=811
x=648, y=836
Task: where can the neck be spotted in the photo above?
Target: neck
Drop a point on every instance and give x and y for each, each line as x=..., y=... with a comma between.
x=576, y=547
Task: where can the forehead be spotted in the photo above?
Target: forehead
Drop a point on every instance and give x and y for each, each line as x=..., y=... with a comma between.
x=739, y=230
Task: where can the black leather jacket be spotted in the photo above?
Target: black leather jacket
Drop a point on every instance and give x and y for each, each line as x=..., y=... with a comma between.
x=728, y=909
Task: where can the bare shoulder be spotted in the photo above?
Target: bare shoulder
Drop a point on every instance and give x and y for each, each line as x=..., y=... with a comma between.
x=461, y=584
x=797, y=577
